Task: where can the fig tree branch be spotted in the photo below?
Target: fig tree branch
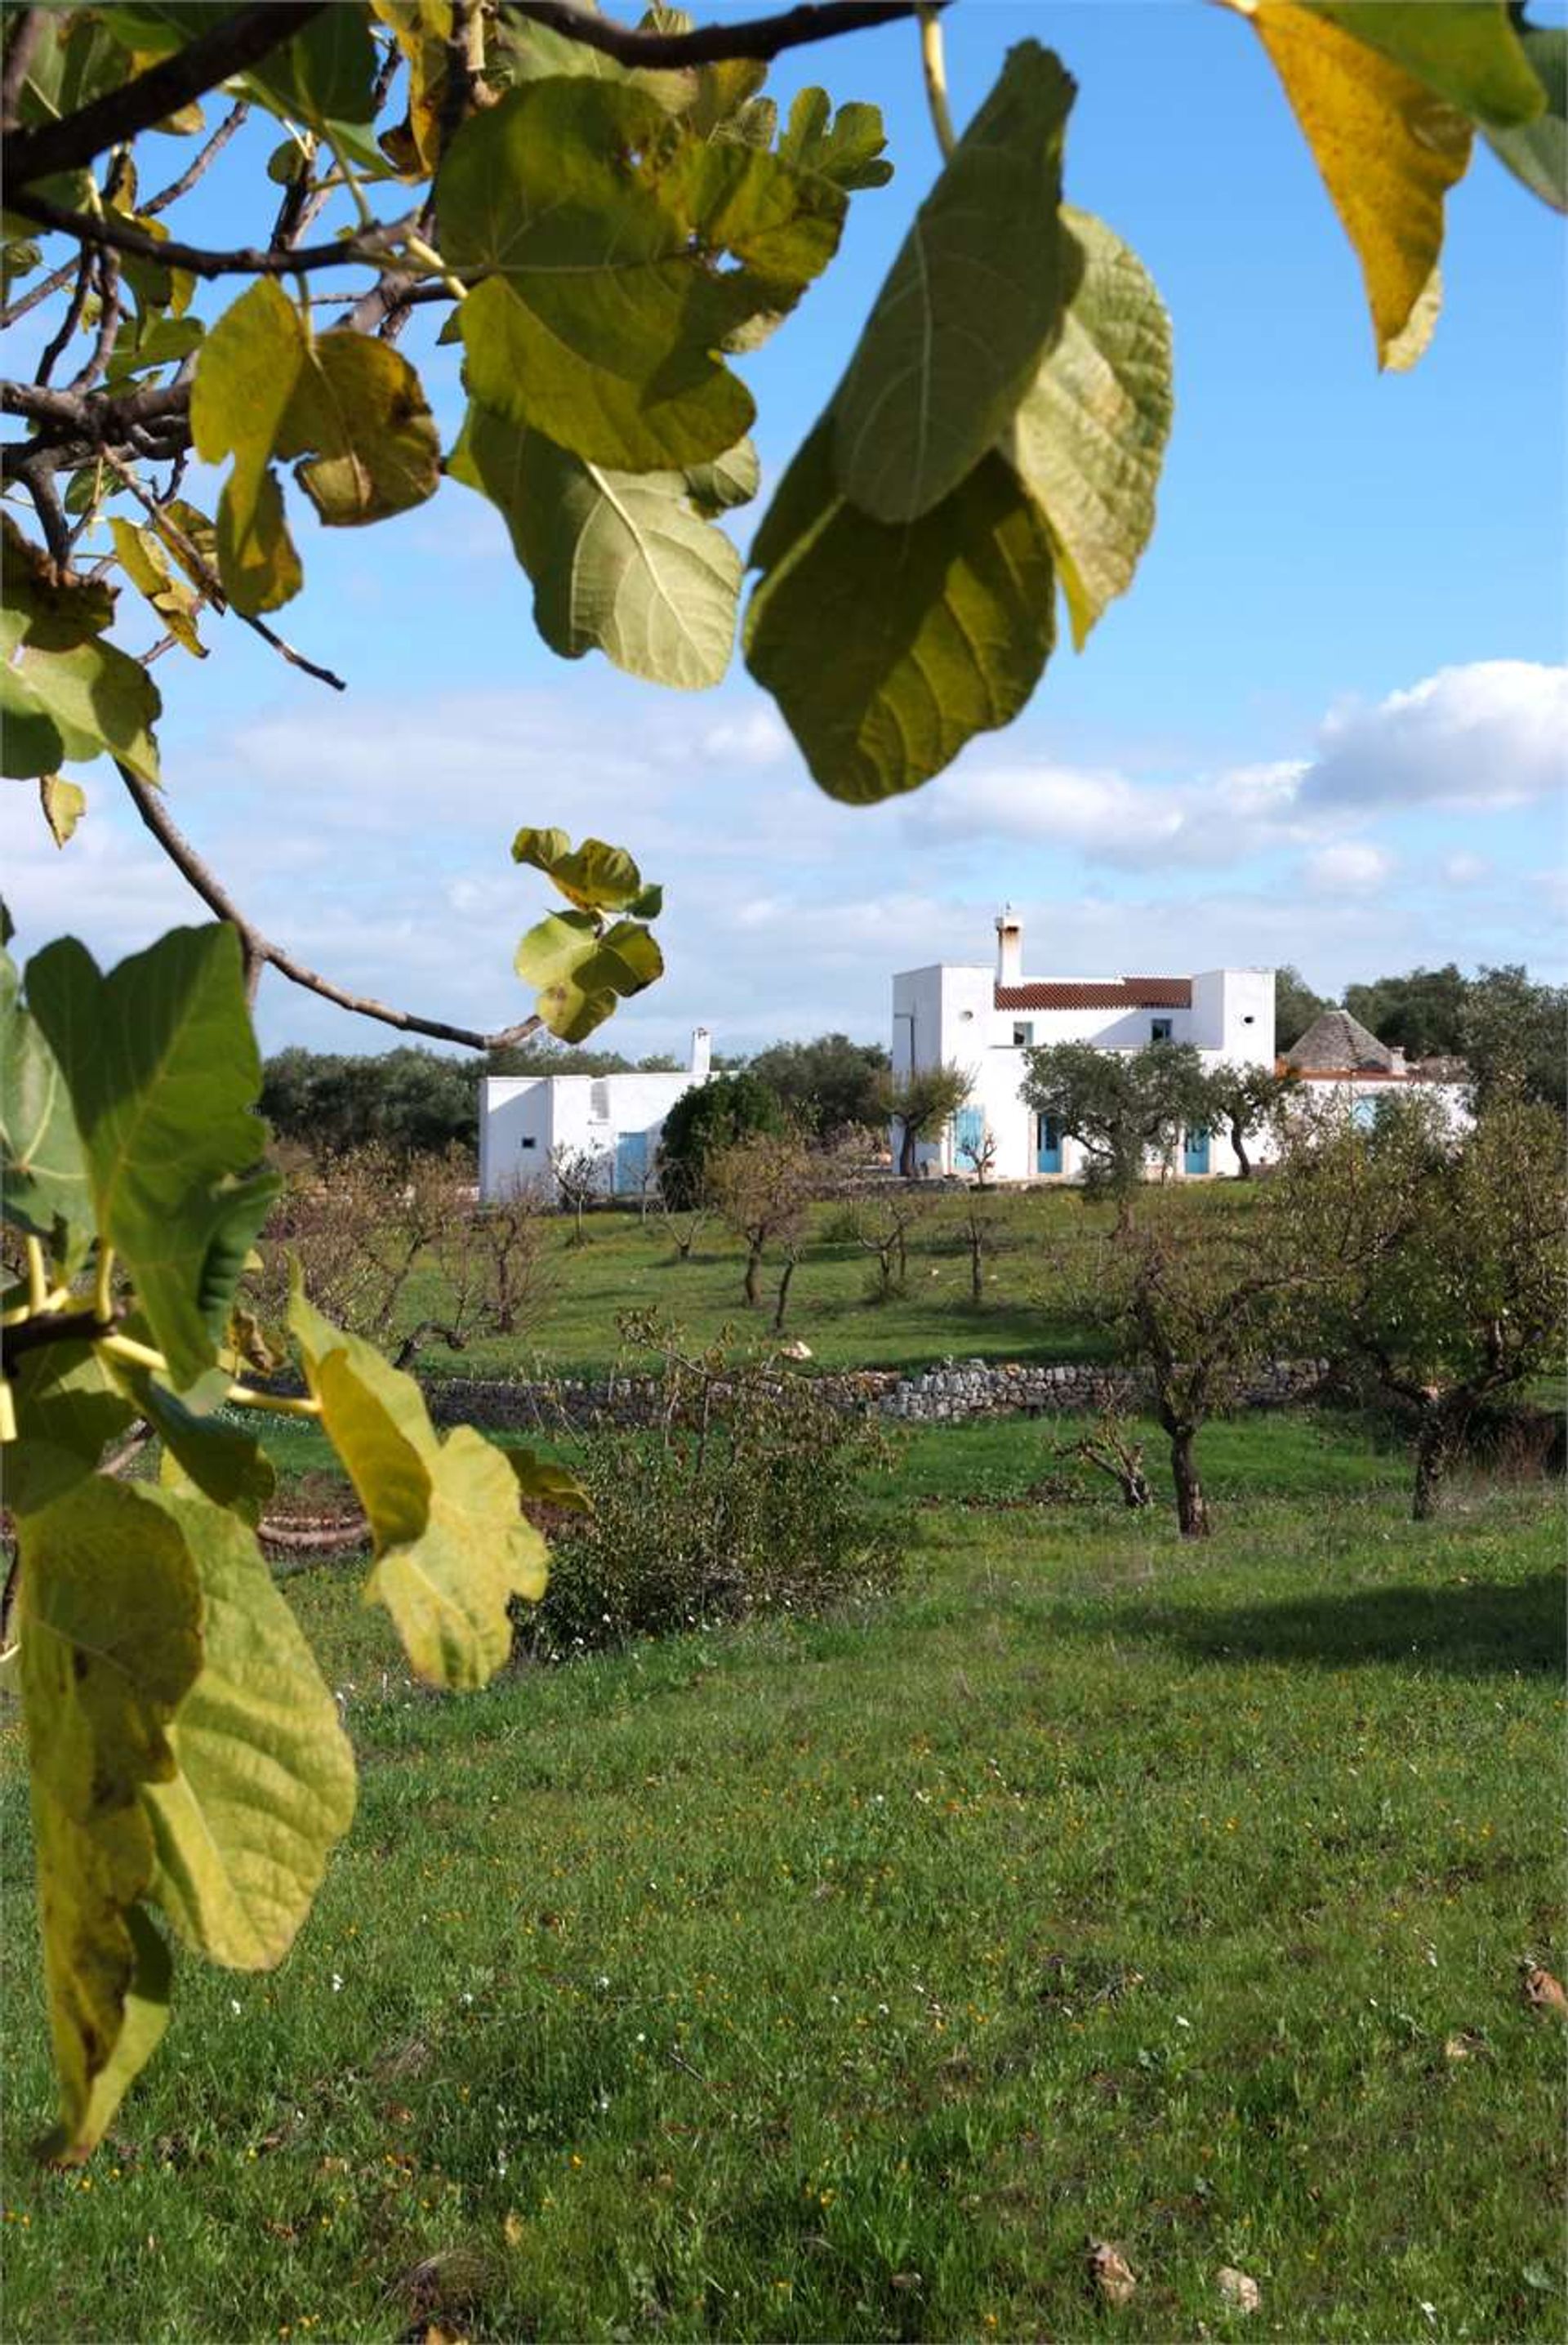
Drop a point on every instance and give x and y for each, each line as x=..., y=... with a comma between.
x=259, y=952
x=237, y=41
x=760, y=38
x=369, y=249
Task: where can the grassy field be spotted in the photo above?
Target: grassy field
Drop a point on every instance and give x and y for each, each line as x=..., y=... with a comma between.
x=630, y=1264
x=840, y=1979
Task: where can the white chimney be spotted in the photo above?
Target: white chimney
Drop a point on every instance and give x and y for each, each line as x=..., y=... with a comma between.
x=701, y=1053
x=1009, y=946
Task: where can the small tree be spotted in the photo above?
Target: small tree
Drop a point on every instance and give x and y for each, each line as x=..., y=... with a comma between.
x=1121, y=1106
x=979, y=1228
x=762, y=1185
x=578, y=1177
x=707, y=1119
x=1439, y=1264
x=884, y=1223
x=1245, y=1101
x=920, y=1103
x=507, y=1234
x=979, y=1152
x=1194, y=1304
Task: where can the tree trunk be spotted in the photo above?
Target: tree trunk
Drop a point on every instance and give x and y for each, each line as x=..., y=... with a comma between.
x=753, y=1289
x=1191, y=1506
x=906, y=1154
x=977, y=1267
x=1435, y=1452
x=1243, y=1161
x=788, y=1273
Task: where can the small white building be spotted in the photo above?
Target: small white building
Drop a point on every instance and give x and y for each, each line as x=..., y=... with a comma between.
x=615, y=1120
x=984, y=1016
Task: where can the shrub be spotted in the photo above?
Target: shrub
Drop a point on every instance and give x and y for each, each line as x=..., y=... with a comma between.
x=750, y=1496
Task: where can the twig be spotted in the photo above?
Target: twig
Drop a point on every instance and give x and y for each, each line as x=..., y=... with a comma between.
x=761, y=37
x=71, y=321
x=207, y=156
x=247, y=261
x=208, y=579
x=260, y=951
x=237, y=41
x=39, y=292
x=36, y=478
x=108, y=274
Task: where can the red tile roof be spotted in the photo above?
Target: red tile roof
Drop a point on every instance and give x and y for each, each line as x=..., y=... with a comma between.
x=1119, y=993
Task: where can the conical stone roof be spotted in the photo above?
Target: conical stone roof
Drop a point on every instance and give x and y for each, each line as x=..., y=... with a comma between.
x=1337, y=1043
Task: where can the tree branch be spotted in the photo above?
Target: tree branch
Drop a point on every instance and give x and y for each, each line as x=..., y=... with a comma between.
x=237, y=41
x=199, y=169
x=761, y=37
x=366, y=250
x=260, y=951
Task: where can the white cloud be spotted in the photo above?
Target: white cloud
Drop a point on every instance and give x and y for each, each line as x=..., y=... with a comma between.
x=1349, y=867
x=1492, y=734
x=1467, y=870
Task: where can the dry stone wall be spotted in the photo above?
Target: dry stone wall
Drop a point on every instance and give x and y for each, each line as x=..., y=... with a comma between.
x=957, y=1390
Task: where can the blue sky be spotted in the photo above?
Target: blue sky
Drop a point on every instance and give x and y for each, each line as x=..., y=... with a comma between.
x=1326, y=727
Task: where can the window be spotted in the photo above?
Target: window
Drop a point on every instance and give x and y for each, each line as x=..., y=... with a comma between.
x=599, y=1101
x=531, y=1143
x=1023, y=1034
x=1159, y=1030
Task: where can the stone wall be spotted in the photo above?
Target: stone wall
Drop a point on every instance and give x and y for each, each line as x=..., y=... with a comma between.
x=956, y=1390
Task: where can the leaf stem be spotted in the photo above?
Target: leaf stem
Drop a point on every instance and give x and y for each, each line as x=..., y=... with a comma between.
x=934, y=64
x=103, y=1285
x=276, y=1404
x=38, y=1276
x=8, y=1411
x=417, y=249
x=140, y=1356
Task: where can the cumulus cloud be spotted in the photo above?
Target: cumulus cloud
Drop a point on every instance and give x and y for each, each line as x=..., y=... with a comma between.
x=1492, y=734
x=373, y=840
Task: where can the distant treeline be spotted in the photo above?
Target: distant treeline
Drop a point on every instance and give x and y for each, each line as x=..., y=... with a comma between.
x=418, y=1102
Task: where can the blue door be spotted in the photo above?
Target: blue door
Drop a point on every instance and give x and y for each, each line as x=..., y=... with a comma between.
x=630, y=1163
x=968, y=1137
x=1047, y=1144
x=1195, y=1154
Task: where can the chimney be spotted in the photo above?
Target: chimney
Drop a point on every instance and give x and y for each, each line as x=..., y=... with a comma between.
x=1009, y=946
x=701, y=1053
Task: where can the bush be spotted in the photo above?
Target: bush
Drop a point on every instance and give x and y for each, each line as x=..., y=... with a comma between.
x=749, y=1497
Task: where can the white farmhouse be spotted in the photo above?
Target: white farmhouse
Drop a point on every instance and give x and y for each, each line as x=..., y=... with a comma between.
x=984, y=1018
x=616, y=1120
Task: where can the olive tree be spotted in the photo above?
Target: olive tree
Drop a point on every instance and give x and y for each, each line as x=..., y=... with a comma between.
x=1122, y=1107
x=920, y=1102
x=383, y=161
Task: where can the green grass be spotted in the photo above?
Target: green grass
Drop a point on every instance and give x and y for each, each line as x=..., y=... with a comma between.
x=628, y=1265
x=839, y=1979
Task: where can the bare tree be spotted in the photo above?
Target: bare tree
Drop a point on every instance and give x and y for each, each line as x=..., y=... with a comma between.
x=1108, y=1447
x=509, y=1235
x=887, y=1219
x=579, y=1177
x=763, y=1186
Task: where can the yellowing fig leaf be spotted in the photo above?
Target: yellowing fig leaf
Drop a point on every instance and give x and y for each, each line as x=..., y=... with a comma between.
x=145, y=563
x=245, y=378
x=451, y=1544
x=162, y=1068
x=623, y=562
x=1089, y=439
x=887, y=648
x=551, y=1485
x=359, y=403
x=265, y=1781
x=1389, y=151
x=970, y=307
x=64, y=693
x=600, y=879
x=64, y=804
x=108, y=1621
x=1468, y=51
